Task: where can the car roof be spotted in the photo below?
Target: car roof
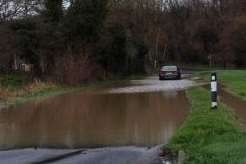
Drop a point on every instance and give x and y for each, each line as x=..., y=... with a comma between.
x=169, y=65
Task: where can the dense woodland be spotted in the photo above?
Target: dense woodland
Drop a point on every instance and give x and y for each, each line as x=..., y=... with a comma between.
x=72, y=41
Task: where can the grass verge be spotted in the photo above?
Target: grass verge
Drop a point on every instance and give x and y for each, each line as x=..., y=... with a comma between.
x=234, y=81
x=16, y=88
x=209, y=137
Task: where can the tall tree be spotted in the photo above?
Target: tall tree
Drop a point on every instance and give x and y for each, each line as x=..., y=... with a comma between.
x=85, y=19
x=54, y=10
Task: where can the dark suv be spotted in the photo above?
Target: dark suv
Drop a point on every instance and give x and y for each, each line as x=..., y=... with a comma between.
x=170, y=72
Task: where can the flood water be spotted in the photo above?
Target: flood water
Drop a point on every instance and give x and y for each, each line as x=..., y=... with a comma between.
x=94, y=119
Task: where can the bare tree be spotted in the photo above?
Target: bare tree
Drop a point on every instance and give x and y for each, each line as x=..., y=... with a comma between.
x=14, y=9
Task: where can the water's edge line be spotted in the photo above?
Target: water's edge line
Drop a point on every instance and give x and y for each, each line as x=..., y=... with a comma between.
x=59, y=157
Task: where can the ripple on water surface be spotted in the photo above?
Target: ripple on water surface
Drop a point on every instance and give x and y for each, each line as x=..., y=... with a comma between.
x=91, y=119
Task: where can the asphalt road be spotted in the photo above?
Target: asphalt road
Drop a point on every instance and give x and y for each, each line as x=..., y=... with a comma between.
x=120, y=155
x=113, y=155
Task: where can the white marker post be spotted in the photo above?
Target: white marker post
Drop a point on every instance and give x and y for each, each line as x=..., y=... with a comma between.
x=214, y=90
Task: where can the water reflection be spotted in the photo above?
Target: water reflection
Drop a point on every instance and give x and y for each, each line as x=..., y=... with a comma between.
x=91, y=120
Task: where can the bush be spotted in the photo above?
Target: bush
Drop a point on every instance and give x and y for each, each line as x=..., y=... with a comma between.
x=15, y=80
x=71, y=69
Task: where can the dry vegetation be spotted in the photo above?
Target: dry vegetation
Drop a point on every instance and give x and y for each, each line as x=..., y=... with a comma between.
x=18, y=85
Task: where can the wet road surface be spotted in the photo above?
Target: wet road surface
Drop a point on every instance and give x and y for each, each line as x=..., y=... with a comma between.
x=145, y=113
x=108, y=155
x=123, y=155
x=27, y=156
x=152, y=84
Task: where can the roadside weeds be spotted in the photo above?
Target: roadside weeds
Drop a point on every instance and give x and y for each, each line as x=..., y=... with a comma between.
x=209, y=137
x=17, y=88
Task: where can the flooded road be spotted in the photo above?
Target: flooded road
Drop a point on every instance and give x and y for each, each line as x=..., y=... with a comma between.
x=127, y=115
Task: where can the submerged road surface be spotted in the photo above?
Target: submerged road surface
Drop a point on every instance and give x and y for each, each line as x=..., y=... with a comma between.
x=129, y=120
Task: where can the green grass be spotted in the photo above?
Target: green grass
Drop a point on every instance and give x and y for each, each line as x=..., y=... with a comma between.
x=234, y=81
x=13, y=80
x=210, y=137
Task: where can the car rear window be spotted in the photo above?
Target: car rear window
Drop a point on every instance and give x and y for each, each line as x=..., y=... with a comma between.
x=169, y=68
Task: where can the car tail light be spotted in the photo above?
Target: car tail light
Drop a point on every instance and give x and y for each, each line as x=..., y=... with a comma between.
x=162, y=73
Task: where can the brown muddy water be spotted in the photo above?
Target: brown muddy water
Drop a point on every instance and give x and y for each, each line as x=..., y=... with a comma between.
x=94, y=119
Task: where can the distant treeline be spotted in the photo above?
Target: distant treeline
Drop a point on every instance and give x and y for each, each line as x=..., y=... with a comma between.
x=82, y=40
